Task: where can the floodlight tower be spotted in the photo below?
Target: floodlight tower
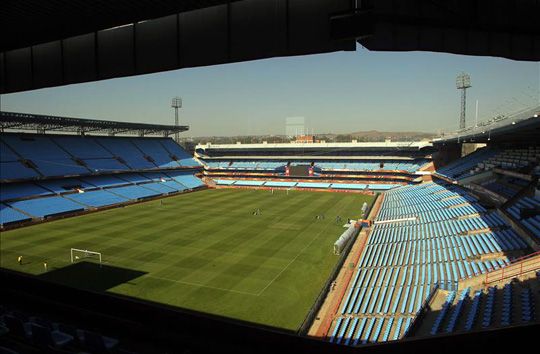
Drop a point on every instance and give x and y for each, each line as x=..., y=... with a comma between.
x=463, y=82
x=176, y=103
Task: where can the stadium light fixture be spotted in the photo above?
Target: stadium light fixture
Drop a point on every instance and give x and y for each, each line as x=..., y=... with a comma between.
x=463, y=82
x=176, y=103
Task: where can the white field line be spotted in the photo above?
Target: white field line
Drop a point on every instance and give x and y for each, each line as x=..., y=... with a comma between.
x=202, y=285
x=294, y=259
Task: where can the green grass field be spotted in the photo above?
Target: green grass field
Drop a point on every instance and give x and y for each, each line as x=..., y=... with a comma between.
x=203, y=251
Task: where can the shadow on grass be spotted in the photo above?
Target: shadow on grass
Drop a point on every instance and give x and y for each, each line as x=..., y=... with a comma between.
x=91, y=276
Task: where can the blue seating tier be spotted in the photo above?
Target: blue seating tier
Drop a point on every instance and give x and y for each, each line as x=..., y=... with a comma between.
x=65, y=185
x=97, y=198
x=16, y=170
x=9, y=215
x=26, y=156
x=105, y=165
x=425, y=236
x=104, y=181
x=187, y=179
x=21, y=190
x=47, y=206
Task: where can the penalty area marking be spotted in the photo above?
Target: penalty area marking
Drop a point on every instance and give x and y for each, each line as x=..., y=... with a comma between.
x=202, y=285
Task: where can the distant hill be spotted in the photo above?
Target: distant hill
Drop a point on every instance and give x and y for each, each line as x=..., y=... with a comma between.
x=367, y=136
x=375, y=135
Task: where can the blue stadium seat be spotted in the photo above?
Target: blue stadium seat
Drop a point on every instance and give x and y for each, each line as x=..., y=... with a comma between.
x=10, y=215
x=97, y=198
x=11, y=191
x=46, y=206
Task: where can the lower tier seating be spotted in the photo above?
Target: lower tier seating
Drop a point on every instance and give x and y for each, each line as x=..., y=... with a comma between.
x=319, y=185
x=42, y=207
x=426, y=237
x=46, y=198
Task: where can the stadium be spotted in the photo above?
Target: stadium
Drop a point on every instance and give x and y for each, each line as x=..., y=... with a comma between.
x=116, y=238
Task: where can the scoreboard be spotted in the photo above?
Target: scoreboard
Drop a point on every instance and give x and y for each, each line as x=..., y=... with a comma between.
x=300, y=171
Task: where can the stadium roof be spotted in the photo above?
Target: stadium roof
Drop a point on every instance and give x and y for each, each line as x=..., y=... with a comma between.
x=42, y=123
x=46, y=43
x=41, y=21
x=388, y=145
x=522, y=127
x=506, y=29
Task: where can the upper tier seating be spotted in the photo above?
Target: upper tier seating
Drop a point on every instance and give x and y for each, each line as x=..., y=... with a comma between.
x=501, y=188
x=487, y=158
x=21, y=190
x=48, y=157
x=463, y=166
x=532, y=223
x=104, y=181
x=371, y=165
x=128, y=152
x=105, y=165
x=6, y=154
x=83, y=147
x=156, y=152
x=180, y=154
x=29, y=156
x=16, y=170
x=64, y=185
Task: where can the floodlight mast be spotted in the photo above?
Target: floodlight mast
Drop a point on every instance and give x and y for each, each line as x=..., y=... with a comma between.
x=176, y=103
x=463, y=82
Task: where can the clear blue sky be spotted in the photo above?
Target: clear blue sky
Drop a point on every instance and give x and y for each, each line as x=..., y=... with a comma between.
x=337, y=92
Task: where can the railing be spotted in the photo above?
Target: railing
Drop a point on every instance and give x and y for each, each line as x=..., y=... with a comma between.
x=492, y=124
x=518, y=267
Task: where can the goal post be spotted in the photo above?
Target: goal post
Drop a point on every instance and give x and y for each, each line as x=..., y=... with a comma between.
x=77, y=254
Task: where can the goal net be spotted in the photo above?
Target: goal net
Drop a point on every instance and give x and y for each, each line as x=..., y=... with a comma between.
x=79, y=254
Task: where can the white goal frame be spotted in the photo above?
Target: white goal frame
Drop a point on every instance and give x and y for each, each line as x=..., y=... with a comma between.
x=87, y=252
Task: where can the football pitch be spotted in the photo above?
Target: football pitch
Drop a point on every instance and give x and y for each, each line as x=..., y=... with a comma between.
x=203, y=251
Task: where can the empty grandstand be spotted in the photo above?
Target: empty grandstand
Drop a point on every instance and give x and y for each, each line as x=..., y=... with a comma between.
x=425, y=238
x=308, y=246
x=430, y=258
x=44, y=176
x=448, y=255
x=339, y=166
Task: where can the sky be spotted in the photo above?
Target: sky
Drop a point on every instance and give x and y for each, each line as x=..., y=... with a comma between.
x=338, y=92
